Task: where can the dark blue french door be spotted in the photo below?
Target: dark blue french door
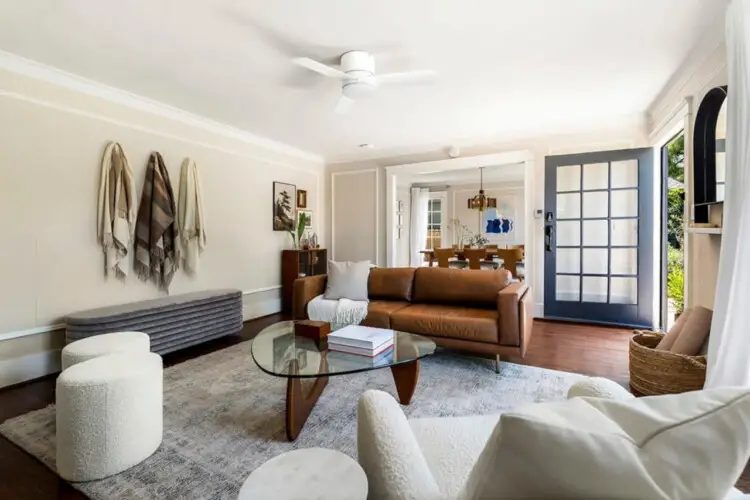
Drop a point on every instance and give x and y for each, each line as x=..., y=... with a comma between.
x=599, y=230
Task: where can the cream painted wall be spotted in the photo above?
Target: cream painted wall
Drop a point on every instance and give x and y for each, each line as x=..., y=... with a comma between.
x=51, y=142
x=691, y=85
x=621, y=134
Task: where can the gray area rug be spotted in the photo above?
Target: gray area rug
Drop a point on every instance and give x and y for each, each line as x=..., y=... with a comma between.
x=223, y=417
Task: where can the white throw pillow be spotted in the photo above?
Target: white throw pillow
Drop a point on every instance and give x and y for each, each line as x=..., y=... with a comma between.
x=685, y=446
x=347, y=280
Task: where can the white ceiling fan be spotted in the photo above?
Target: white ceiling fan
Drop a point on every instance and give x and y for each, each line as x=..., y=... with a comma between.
x=358, y=78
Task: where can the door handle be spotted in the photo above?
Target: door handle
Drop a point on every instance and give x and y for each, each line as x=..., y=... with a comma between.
x=548, y=234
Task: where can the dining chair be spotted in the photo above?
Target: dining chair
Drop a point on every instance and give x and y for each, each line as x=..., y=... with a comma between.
x=445, y=257
x=510, y=259
x=475, y=256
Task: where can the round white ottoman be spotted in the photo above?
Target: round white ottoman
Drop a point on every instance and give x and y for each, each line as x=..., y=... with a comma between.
x=598, y=387
x=101, y=345
x=109, y=415
x=307, y=474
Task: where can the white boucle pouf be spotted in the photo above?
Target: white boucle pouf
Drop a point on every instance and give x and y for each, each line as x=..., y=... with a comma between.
x=109, y=415
x=598, y=387
x=101, y=345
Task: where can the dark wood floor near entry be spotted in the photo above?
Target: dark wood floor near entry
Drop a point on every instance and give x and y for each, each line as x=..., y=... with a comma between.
x=592, y=350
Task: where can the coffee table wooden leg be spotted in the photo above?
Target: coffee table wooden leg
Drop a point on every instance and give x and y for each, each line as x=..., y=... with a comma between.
x=299, y=403
x=405, y=376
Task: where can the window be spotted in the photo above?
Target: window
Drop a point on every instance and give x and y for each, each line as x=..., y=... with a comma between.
x=434, y=222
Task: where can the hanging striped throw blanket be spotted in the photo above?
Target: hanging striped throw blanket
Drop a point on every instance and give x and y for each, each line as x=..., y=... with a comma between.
x=116, y=210
x=156, y=234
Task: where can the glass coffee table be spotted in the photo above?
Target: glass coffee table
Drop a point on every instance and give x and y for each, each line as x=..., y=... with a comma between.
x=279, y=352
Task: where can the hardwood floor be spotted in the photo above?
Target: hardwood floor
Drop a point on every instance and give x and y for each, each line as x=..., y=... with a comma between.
x=592, y=350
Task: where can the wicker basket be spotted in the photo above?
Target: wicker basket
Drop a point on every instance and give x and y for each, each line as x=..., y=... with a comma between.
x=654, y=372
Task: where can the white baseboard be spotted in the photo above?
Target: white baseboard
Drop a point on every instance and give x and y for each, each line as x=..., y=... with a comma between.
x=539, y=310
x=21, y=369
x=256, y=309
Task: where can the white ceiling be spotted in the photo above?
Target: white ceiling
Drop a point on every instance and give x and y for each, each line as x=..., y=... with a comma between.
x=507, y=67
x=496, y=174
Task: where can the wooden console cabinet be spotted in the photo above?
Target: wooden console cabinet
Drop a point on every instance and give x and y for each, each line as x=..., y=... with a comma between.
x=297, y=264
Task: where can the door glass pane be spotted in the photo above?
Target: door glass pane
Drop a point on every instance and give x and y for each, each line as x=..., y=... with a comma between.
x=625, y=174
x=624, y=232
x=568, y=233
x=623, y=290
x=625, y=203
x=569, y=178
x=568, y=206
x=595, y=204
x=567, y=288
x=596, y=176
x=595, y=233
x=595, y=260
x=568, y=260
x=721, y=167
x=624, y=261
x=594, y=289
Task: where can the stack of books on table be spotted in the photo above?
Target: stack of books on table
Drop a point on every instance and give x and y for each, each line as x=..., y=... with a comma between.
x=361, y=340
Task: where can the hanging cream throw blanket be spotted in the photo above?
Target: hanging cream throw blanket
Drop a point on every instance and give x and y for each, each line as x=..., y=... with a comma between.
x=115, y=221
x=156, y=233
x=190, y=217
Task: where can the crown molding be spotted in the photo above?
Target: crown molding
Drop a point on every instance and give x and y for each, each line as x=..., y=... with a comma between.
x=54, y=76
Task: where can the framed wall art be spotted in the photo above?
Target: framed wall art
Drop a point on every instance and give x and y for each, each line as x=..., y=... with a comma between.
x=301, y=198
x=308, y=214
x=284, y=196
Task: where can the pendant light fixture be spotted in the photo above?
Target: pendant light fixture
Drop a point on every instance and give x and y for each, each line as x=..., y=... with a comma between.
x=480, y=201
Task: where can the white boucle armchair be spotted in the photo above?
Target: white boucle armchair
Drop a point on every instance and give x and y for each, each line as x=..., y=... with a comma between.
x=432, y=458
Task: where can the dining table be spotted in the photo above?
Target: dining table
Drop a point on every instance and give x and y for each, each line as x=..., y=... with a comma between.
x=491, y=253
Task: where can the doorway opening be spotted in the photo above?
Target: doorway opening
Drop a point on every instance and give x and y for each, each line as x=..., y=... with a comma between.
x=673, y=234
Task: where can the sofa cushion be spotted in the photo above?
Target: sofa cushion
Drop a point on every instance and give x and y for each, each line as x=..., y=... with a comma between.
x=435, y=285
x=678, y=446
x=347, y=280
x=379, y=312
x=391, y=283
x=451, y=447
x=456, y=322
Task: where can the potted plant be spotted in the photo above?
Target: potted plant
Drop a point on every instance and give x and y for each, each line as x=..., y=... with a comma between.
x=297, y=236
x=477, y=240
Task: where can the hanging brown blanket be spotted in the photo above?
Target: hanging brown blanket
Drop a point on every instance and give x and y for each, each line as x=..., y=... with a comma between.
x=156, y=254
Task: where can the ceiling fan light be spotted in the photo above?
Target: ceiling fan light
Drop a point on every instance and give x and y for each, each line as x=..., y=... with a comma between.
x=358, y=89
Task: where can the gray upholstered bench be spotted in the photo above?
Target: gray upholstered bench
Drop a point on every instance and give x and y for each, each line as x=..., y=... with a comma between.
x=172, y=322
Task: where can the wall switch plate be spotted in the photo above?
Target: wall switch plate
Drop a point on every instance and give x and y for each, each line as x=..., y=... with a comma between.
x=538, y=213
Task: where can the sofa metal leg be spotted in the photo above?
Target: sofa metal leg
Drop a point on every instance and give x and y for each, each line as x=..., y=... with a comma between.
x=497, y=363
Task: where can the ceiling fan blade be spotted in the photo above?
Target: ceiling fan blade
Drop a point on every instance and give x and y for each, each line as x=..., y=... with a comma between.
x=422, y=76
x=321, y=68
x=344, y=105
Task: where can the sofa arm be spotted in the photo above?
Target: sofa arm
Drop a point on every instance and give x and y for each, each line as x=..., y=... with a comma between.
x=306, y=289
x=515, y=309
x=598, y=387
x=389, y=453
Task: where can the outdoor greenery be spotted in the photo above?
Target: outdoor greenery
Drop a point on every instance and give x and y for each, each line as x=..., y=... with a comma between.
x=675, y=225
x=676, y=278
x=676, y=167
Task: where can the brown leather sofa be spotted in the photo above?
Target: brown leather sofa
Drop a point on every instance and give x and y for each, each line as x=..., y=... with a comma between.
x=474, y=311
